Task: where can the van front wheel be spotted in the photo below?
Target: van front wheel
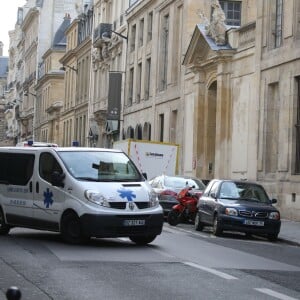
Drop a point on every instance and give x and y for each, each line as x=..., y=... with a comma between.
x=4, y=228
x=142, y=240
x=71, y=229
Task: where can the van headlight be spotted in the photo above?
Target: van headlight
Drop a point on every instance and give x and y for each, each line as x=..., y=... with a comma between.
x=96, y=197
x=153, y=199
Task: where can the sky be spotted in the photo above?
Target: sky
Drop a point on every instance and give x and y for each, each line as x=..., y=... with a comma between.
x=8, y=19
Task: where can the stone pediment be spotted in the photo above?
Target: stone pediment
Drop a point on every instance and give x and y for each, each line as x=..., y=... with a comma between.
x=203, y=50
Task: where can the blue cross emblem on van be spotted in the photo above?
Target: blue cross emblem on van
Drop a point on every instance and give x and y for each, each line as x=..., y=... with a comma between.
x=48, y=198
x=123, y=193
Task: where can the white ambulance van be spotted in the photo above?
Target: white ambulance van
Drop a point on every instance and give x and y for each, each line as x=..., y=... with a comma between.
x=79, y=192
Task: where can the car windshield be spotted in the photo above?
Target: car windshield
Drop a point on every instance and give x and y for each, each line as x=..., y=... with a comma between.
x=100, y=166
x=245, y=191
x=181, y=182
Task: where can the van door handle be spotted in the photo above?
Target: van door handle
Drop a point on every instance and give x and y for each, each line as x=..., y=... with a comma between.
x=30, y=187
x=37, y=187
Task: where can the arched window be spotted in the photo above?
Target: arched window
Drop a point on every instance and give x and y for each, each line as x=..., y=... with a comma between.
x=147, y=131
x=138, y=132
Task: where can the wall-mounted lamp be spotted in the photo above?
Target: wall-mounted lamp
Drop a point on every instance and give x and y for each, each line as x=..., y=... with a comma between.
x=63, y=68
x=104, y=31
x=107, y=35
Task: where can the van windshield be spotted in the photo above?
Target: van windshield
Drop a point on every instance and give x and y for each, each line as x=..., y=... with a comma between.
x=100, y=166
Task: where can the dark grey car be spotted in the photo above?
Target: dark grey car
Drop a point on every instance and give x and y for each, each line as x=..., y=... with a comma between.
x=238, y=206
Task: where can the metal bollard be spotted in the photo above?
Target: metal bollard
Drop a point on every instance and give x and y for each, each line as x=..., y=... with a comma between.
x=13, y=293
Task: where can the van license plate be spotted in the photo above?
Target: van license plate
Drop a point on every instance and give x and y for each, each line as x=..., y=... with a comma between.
x=134, y=222
x=254, y=223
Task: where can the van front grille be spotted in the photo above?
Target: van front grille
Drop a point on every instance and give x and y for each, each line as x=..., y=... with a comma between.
x=118, y=205
x=122, y=205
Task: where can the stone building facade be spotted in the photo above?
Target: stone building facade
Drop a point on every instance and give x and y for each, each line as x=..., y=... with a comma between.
x=37, y=23
x=77, y=65
x=3, y=103
x=108, y=70
x=247, y=107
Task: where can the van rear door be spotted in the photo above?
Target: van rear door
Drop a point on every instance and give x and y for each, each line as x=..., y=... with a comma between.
x=16, y=186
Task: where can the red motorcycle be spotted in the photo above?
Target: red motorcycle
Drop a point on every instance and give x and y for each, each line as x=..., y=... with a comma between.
x=186, y=209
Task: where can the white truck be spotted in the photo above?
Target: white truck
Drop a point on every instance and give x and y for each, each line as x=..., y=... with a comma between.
x=152, y=158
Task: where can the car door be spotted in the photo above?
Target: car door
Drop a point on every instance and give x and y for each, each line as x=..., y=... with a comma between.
x=48, y=199
x=211, y=202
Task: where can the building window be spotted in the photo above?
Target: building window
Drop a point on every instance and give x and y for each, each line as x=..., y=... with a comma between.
x=150, y=23
x=132, y=39
x=130, y=91
x=148, y=78
x=173, y=127
x=141, y=33
x=139, y=82
x=232, y=10
x=278, y=24
x=164, y=53
x=271, y=125
x=297, y=128
x=161, y=127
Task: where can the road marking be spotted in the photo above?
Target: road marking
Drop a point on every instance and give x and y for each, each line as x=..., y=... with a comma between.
x=213, y=271
x=176, y=229
x=275, y=294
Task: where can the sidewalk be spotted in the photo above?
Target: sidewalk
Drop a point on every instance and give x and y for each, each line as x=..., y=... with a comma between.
x=290, y=232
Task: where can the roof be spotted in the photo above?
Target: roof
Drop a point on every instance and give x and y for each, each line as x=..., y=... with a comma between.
x=60, y=39
x=210, y=40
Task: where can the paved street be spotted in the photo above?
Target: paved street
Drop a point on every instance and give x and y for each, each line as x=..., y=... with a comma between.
x=179, y=264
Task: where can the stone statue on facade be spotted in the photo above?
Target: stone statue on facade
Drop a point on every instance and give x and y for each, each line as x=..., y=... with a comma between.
x=96, y=57
x=217, y=27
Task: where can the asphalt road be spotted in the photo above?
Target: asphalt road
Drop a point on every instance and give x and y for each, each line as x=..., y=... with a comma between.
x=180, y=264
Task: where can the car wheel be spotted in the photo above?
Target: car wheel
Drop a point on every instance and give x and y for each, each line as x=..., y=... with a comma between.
x=4, y=228
x=142, y=240
x=273, y=237
x=71, y=229
x=217, y=230
x=173, y=217
x=198, y=224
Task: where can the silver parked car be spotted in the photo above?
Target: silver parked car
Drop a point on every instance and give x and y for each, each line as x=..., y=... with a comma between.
x=167, y=188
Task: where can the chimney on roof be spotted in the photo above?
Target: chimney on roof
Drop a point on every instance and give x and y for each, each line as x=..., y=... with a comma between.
x=67, y=16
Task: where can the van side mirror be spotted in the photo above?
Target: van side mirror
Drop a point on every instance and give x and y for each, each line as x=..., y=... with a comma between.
x=57, y=179
x=145, y=175
x=274, y=201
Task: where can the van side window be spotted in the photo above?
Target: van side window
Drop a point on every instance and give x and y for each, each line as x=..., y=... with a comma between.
x=16, y=168
x=48, y=165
